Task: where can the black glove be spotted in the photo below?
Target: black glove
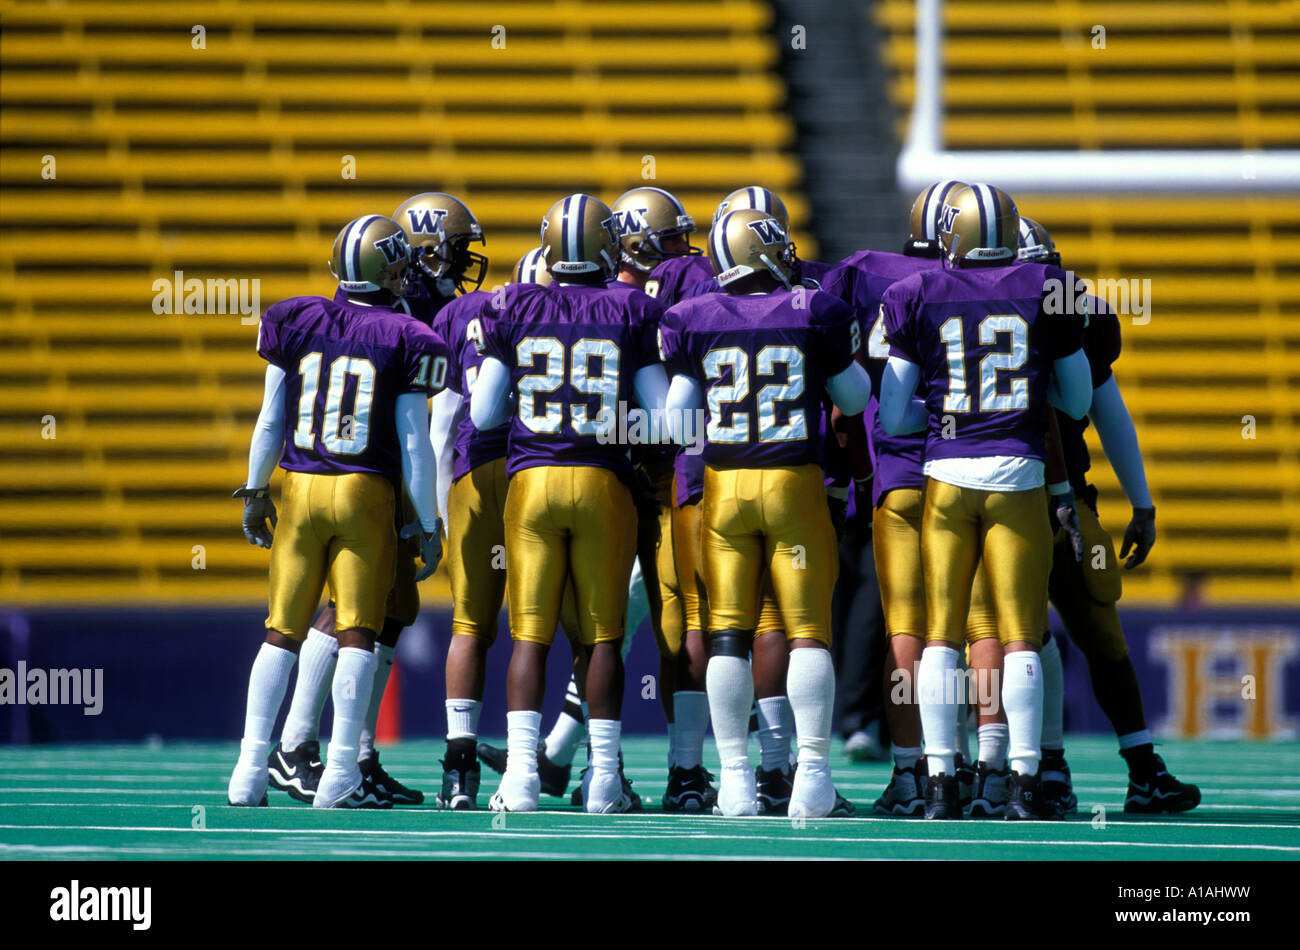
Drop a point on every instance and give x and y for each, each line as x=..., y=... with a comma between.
x=1063, y=514
x=837, y=499
x=430, y=546
x=258, y=507
x=863, y=506
x=1140, y=535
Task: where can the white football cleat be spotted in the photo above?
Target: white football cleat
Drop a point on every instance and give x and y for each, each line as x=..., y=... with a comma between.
x=336, y=786
x=517, y=792
x=813, y=794
x=248, y=782
x=737, y=792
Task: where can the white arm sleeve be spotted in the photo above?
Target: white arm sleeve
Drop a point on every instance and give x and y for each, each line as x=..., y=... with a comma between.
x=442, y=435
x=685, y=400
x=650, y=384
x=1070, y=389
x=899, y=412
x=489, y=406
x=419, y=470
x=1119, y=439
x=850, y=389
x=268, y=434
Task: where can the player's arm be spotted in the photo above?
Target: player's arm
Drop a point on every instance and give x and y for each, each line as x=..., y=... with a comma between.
x=442, y=436
x=1070, y=389
x=1119, y=439
x=684, y=401
x=489, y=405
x=264, y=453
x=650, y=385
x=420, y=475
x=900, y=412
x=850, y=389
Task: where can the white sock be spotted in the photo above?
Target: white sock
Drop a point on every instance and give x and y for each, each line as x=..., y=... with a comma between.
x=522, y=729
x=354, y=681
x=1053, y=696
x=383, y=667
x=462, y=718
x=691, y=715
x=672, y=745
x=963, y=708
x=267, y=684
x=936, y=688
x=905, y=757
x=1022, y=698
x=773, y=732
x=565, y=737
x=993, y=744
x=604, y=743
x=731, y=693
x=638, y=605
x=1132, y=740
x=316, y=662
x=810, y=687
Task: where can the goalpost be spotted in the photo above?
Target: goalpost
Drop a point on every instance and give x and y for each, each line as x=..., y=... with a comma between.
x=924, y=160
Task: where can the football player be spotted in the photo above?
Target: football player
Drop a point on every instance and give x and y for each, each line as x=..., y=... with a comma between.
x=860, y=280
x=758, y=356
x=439, y=229
x=976, y=336
x=1085, y=592
x=348, y=382
x=562, y=363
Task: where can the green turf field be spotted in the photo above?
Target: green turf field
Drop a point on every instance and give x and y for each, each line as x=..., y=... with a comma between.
x=142, y=802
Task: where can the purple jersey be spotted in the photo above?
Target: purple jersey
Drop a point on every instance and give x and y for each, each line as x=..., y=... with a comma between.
x=860, y=280
x=1102, y=344
x=670, y=279
x=572, y=352
x=763, y=362
x=464, y=323
x=803, y=270
x=986, y=351
x=345, y=365
x=417, y=303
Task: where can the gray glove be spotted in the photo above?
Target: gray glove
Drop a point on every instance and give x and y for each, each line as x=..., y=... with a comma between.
x=1140, y=535
x=258, y=508
x=1065, y=515
x=430, y=546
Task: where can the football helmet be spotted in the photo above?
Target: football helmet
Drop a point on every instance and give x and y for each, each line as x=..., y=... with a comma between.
x=749, y=242
x=645, y=216
x=979, y=224
x=1036, y=245
x=371, y=254
x=440, y=229
x=924, y=234
x=757, y=198
x=531, y=269
x=579, y=236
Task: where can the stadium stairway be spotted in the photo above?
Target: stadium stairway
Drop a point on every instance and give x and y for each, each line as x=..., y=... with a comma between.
x=162, y=141
x=1211, y=373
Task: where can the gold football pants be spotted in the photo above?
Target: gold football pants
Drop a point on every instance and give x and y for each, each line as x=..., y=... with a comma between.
x=896, y=538
x=772, y=522
x=475, y=556
x=562, y=521
x=659, y=571
x=1085, y=594
x=1005, y=533
x=335, y=528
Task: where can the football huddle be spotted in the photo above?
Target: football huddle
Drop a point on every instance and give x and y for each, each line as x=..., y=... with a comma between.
x=638, y=426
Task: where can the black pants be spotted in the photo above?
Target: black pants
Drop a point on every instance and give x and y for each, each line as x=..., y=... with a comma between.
x=858, y=641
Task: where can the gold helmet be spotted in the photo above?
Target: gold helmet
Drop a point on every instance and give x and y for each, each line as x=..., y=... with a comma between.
x=440, y=229
x=749, y=242
x=531, y=269
x=371, y=254
x=979, y=223
x=757, y=198
x=1036, y=245
x=645, y=216
x=924, y=235
x=579, y=237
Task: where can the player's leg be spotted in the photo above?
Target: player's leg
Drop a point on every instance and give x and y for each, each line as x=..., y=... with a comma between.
x=950, y=528
x=1053, y=770
x=295, y=762
x=990, y=779
x=297, y=574
x=733, y=556
x=896, y=537
x=803, y=562
x=774, y=776
x=537, y=550
x=1017, y=558
x=359, y=513
x=600, y=560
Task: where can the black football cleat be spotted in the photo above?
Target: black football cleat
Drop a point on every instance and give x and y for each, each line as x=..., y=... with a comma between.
x=296, y=773
x=1027, y=801
x=843, y=807
x=1160, y=793
x=904, y=795
x=942, y=797
x=262, y=804
x=630, y=801
x=992, y=789
x=368, y=795
x=460, y=783
x=774, y=788
x=555, y=778
x=690, y=790
x=387, y=786
x=965, y=780
x=1054, y=772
